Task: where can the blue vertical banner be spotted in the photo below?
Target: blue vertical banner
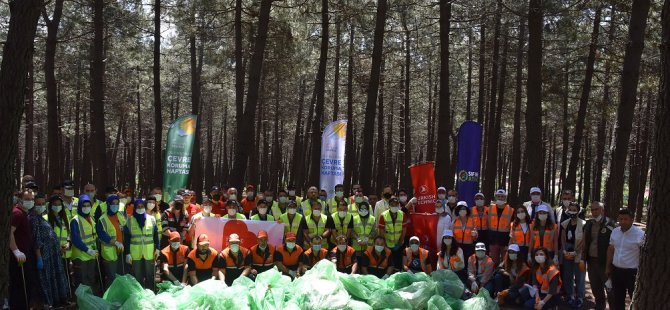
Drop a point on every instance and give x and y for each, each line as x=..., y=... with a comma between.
x=332, y=156
x=469, y=157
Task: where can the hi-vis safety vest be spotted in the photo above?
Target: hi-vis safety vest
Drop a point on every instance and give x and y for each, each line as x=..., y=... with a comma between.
x=257, y=217
x=87, y=235
x=316, y=228
x=363, y=229
x=293, y=225
x=342, y=227
x=63, y=237
x=142, y=239
x=109, y=252
x=392, y=231
x=547, y=239
x=500, y=222
x=544, y=279
x=464, y=234
x=521, y=238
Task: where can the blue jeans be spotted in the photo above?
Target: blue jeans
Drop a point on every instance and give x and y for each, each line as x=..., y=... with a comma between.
x=553, y=301
x=573, y=279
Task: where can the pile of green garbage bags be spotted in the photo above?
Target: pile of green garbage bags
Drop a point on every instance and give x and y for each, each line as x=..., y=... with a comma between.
x=322, y=287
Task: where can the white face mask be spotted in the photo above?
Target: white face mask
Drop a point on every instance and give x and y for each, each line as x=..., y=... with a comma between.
x=358, y=199
x=56, y=209
x=441, y=196
x=599, y=218
x=235, y=248
x=28, y=204
x=316, y=248
x=232, y=197
x=40, y=209
x=479, y=202
x=500, y=202
x=452, y=199
x=290, y=245
x=291, y=193
x=535, y=198
x=316, y=213
x=141, y=211
x=540, y=259
x=341, y=213
x=363, y=212
x=91, y=195
x=151, y=206
x=447, y=242
x=207, y=209
x=512, y=257
x=268, y=198
x=158, y=197
x=232, y=212
x=542, y=217
x=462, y=213
x=69, y=192
x=292, y=210
x=521, y=216
x=283, y=199
x=414, y=247
x=439, y=210
x=86, y=210
x=480, y=254
x=402, y=199
x=341, y=247
x=250, y=195
x=339, y=194
x=174, y=245
x=262, y=211
x=565, y=203
x=379, y=248
x=394, y=209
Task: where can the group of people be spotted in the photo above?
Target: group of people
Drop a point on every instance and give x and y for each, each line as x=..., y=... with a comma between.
x=530, y=255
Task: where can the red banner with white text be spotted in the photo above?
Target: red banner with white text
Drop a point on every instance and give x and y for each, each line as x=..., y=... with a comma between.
x=425, y=192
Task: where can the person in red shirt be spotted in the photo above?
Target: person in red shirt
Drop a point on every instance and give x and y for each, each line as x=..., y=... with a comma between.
x=22, y=263
x=218, y=203
x=249, y=202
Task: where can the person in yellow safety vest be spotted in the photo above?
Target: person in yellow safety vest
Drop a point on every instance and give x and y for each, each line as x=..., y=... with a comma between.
x=84, y=253
x=364, y=232
x=98, y=207
x=153, y=210
x=293, y=222
x=70, y=202
x=261, y=212
x=358, y=199
x=340, y=223
x=393, y=226
x=207, y=206
x=282, y=203
x=332, y=203
x=58, y=219
x=416, y=258
x=232, y=208
x=293, y=194
x=306, y=204
x=269, y=197
x=141, y=244
x=316, y=226
x=109, y=228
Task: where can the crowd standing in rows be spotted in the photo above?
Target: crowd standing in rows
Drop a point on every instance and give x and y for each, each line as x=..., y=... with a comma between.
x=530, y=255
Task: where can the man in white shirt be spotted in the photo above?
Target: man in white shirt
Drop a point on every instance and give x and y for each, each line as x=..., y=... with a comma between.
x=444, y=221
x=534, y=202
x=623, y=258
x=383, y=204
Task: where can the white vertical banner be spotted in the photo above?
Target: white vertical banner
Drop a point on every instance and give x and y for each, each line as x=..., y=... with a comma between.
x=333, y=142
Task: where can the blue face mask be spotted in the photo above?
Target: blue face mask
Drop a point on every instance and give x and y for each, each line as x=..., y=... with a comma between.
x=322, y=198
x=114, y=208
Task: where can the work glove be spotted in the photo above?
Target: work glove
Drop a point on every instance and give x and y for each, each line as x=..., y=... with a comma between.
x=386, y=276
x=20, y=257
x=92, y=252
x=176, y=283
x=119, y=246
x=474, y=287
x=40, y=263
x=129, y=259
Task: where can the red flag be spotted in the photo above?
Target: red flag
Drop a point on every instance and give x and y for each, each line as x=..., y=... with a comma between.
x=425, y=227
x=425, y=192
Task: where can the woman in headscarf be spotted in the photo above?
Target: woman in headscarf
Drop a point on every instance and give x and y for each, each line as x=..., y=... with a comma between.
x=141, y=244
x=109, y=228
x=84, y=250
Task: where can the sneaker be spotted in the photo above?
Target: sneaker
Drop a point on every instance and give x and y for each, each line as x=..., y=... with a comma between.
x=578, y=303
x=572, y=301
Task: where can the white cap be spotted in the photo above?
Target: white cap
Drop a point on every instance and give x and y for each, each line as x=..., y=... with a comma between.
x=462, y=203
x=447, y=232
x=542, y=207
x=535, y=190
x=480, y=246
x=441, y=188
x=513, y=247
x=479, y=194
x=414, y=238
x=501, y=192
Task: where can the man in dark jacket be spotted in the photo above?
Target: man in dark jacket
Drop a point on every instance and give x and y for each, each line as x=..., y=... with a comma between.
x=596, y=240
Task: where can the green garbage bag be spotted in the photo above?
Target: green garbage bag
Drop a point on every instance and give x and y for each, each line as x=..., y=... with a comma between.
x=320, y=288
x=438, y=302
x=451, y=284
x=143, y=300
x=168, y=287
x=403, y=279
x=418, y=293
x=122, y=288
x=271, y=290
x=482, y=301
x=87, y=301
x=361, y=286
x=454, y=303
x=357, y=305
x=388, y=299
x=212, y=295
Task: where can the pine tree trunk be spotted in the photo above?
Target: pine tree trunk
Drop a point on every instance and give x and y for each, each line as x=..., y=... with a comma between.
x=380, y=156
x=239, y=65
x=491, y=155
x=297, y=162
x=627, y=98
x=29, y=155
x=468, y=100
x=350, y=153
x=442, y=156
x=516, y=132
x=319, y=89
x=53, y=133
x=98, y=136
x=406, y=182
x=645, y=147
x=336, y=83
x=481, y=95
x=158, y=109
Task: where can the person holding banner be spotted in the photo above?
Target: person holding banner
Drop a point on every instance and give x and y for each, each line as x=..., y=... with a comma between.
x=364, y=232
x=500, y=219
x=293, y=221
x=172, y=260
x=249, y=202
x=393, y=226
x=316, y=226
x=416, y=258
x=262, y=254
x=207, y=211
x=344, y=256
x=465, y=230
x=140, y=236
x=232, y=208
x=261, y=212
x=316, y=252
x=290, y=258
x=480, y=212
x=234, y=261
x=201, y=262
x=377, y=260
x=340, y=223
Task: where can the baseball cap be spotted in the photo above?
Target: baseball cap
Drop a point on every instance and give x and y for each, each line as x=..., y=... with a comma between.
x=414, y=238
x=462, y=203
x=203, y=239
x=262, y=234
x=178, y=198
x=542, y=208
x=441, y=188
x=448, y=232
x=535, y=190
x=501, y=192
x=513, y=247
x=290, y=236
x=480, y=246
x=174, y=236
x=234, y=238
x=479, y=194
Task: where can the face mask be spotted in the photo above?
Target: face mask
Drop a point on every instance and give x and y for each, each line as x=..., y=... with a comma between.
x=232, y=197
x=500, y=202
x=69, y=192
x=462, y=213
x=316, y=213
x=207, y=209
x=235, y=248
x=141, y=211
x=158, y=197
x=40, y=209
x=542, y=217
x=292, y=210
x=28, y=204
x=447, y=242
x=174, y=245
x=114, y=208
x=291, y=193
x=572, y=214
x=341, y=213
x=535, y=198
x=414, y=247
x=250, y=195
x=439, y=210
x=232, y=212
x=451, y=199
x=540, y=259
x=86, y=210
x=316, y=248
x=91, y=195
x=151, y=206
x=262, y=211
x=290, y=245
x=394, y=209
x=512, y=257
x=480, y=254
x=521, y=216
x=358, y=199
x=56, y=209
x=323, y=198
x=387, y=196
x=262, y=247
x=341, y=247
x=283, y=199
x=202, y=252
x=379, y=248
x=479, y=202
x=363, y=212
x=268, y=198
x=565, y=203
x=600, y=217
x=403, y=199
x=339, y=194
x=441, y=196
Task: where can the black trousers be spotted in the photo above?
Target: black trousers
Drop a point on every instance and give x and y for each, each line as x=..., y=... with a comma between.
x=623, y=282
